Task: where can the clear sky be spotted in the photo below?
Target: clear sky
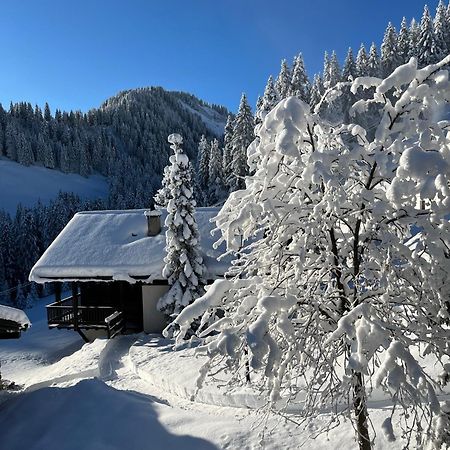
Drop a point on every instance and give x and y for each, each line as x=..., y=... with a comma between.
x=76, y=53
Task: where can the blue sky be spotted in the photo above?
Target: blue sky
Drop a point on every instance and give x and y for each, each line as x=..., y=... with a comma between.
x=76, y=53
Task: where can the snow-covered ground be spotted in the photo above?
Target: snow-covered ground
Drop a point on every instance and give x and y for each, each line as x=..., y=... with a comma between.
x=134, y=392
x=27, y=185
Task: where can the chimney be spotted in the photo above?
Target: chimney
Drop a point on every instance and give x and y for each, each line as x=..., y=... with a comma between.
x=153, y=222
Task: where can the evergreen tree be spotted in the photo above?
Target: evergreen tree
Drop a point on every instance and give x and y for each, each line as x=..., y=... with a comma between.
x=259, y=104
x=283, y=83
x=162, y=196
x=203, y=165
x=334, y=70
x=441, y=30
x=373, y=63
x=317, y=90
x=414, y=30
x=403, y=43
x=227, y=150
x=326, y=70
x=349, y=71
x=25, y=154
x=216, y=188
x=47, y=113
x=243, y=135
x=362, y=61
x=300, y=85
x=183, y=267
x=269, y=100
x=390, y=58
x=426, y=42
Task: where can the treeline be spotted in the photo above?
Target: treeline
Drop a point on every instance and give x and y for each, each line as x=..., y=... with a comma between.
x=24, y=239
x=427, y=40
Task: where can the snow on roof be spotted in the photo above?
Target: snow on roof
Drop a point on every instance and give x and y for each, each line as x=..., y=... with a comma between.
x=114, y=245
x=15, y=315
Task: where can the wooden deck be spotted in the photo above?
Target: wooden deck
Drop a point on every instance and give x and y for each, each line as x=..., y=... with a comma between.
x=67, y=313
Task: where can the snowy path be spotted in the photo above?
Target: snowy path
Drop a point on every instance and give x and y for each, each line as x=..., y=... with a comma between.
x=102, y=402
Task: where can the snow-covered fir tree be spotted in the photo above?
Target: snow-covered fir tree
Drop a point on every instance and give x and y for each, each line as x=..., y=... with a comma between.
x=183, y=267
x=349, y=71
x=216, y=190
x=203, y=154
x=373, y=62
x=227, y=151
x=283, y=82
x=243, y=135
x=390, y=57
x=404, y=42
x=343, y=276
x=414, y=30
x=441, y=30
x=269, y=100
x=317, y=90
x=427, y=49
x=162, y=196
x=362, y=61
x=300, y=85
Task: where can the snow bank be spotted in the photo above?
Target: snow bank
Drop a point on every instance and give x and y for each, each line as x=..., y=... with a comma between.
x=43, y=184
x=115, y=245
x=15, y=315
x=154, y=360
x=84, y=363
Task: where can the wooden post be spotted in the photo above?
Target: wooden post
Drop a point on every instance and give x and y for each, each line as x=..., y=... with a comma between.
x=57, y=291
x=75, y=305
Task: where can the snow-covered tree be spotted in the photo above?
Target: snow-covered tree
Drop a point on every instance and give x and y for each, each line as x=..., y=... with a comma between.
x=183, y=267
x=227, y=150
x=426, y=41
x=373, y=62
x=283, y=82
x=441, y=30
x=361, y=61
x=269, y=100
x=300, y=85
x=317, y=90
x=216, y=189
x=331, y=70
x=414, y=30
x=331, y=294
x=349, y=71
x=243, y=135
x=203, y=164
x=390, y=57
x=162, y=196
x=403, y=42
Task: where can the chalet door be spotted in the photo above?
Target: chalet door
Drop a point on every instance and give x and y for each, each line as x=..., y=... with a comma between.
x=131, y=297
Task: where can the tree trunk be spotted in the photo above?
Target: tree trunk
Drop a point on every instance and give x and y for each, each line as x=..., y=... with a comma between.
x=360, y=409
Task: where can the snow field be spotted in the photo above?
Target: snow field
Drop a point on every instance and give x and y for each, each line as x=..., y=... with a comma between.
x=27, y=185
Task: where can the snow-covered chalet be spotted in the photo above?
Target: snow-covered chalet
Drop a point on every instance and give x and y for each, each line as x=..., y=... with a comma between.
x=113, y=261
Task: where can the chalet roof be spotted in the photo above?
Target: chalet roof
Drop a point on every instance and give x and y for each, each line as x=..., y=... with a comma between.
x=113, y=245
x=14, y=316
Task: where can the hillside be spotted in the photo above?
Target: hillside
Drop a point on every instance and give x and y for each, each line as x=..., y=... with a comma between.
x=124, y=139
x=43, y=184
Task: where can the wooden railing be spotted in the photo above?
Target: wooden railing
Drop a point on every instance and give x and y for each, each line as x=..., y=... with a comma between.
x=62, y=314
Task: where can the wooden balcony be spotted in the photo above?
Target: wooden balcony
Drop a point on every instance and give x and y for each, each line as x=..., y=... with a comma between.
x=67, y=313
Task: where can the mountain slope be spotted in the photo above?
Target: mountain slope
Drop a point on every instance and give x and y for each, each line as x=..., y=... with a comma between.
x=27, y=185
x=125, y=139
